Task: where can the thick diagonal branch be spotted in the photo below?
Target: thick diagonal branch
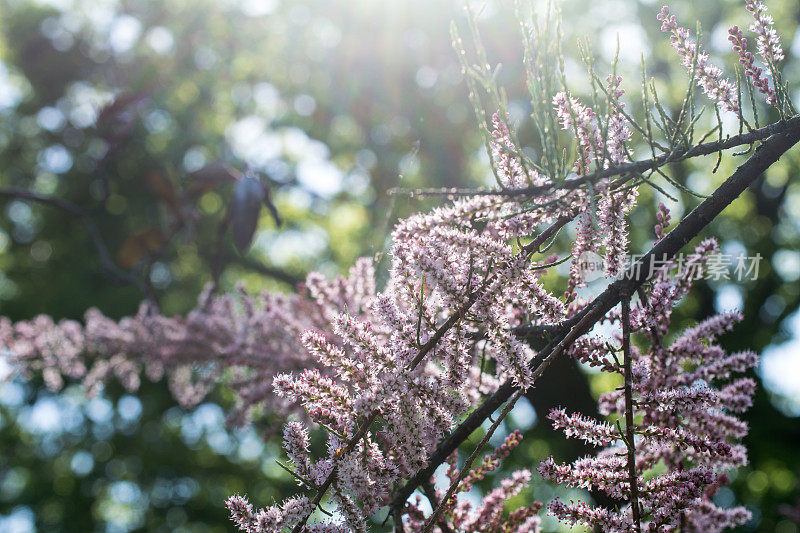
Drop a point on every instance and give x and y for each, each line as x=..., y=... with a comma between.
x=468, y=463
x=764, y=156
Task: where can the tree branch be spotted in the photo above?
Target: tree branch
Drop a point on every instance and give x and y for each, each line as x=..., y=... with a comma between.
x=634, y=167
x=111, y=269
x=633, y=478
x=266, y=270
x=471, y=459
x=764, y=156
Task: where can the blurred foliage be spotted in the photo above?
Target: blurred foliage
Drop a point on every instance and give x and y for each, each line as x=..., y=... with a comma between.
x=146, y=113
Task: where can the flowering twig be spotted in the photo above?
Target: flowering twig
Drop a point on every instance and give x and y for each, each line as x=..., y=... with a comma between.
x=769, y=42
x=708, y=76
x=634, y=167
x=322, y=489
x=746, y=58
x=471, y=459
x=764, y=156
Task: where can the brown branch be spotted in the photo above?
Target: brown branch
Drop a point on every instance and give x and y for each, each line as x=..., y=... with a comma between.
x=634, y=167
x=110, y=268
x=430, y=493
x=266, y=270
x=532, y=333
x=397, y=516
x=468, y=463
x=764, y=156
x=351, y=444
x=629, y=437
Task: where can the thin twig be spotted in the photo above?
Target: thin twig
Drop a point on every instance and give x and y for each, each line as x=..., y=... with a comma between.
x=465, y=470
x=629, y=437
x=430, y=493
x=109, y=266
x=634, y=167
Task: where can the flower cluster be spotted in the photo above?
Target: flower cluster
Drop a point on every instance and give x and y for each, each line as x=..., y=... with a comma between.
x=387, y=373
x=747, y=59
x=580, y=118
x=696, y=61
x=461, y=515
x=244, y=340
x=274, y=518
x=709, y=77
x=769, y=42
x=607, y=145
x=685, y=397
x=509, y=167
x=768, y=45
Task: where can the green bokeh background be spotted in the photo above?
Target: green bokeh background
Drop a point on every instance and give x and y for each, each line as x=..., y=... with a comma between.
x=334, y=103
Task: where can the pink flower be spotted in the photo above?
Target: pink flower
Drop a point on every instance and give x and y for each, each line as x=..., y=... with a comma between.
x=768, y=40
x=708, y=76
x=747, y=59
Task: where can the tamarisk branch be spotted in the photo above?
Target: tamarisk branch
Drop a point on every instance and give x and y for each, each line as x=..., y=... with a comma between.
x=632, y=168
x=765, y=155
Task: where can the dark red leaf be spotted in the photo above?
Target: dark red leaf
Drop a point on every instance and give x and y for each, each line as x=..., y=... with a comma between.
x=211, y=177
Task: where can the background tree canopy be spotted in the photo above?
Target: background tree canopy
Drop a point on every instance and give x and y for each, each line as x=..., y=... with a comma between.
x=141, y=113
